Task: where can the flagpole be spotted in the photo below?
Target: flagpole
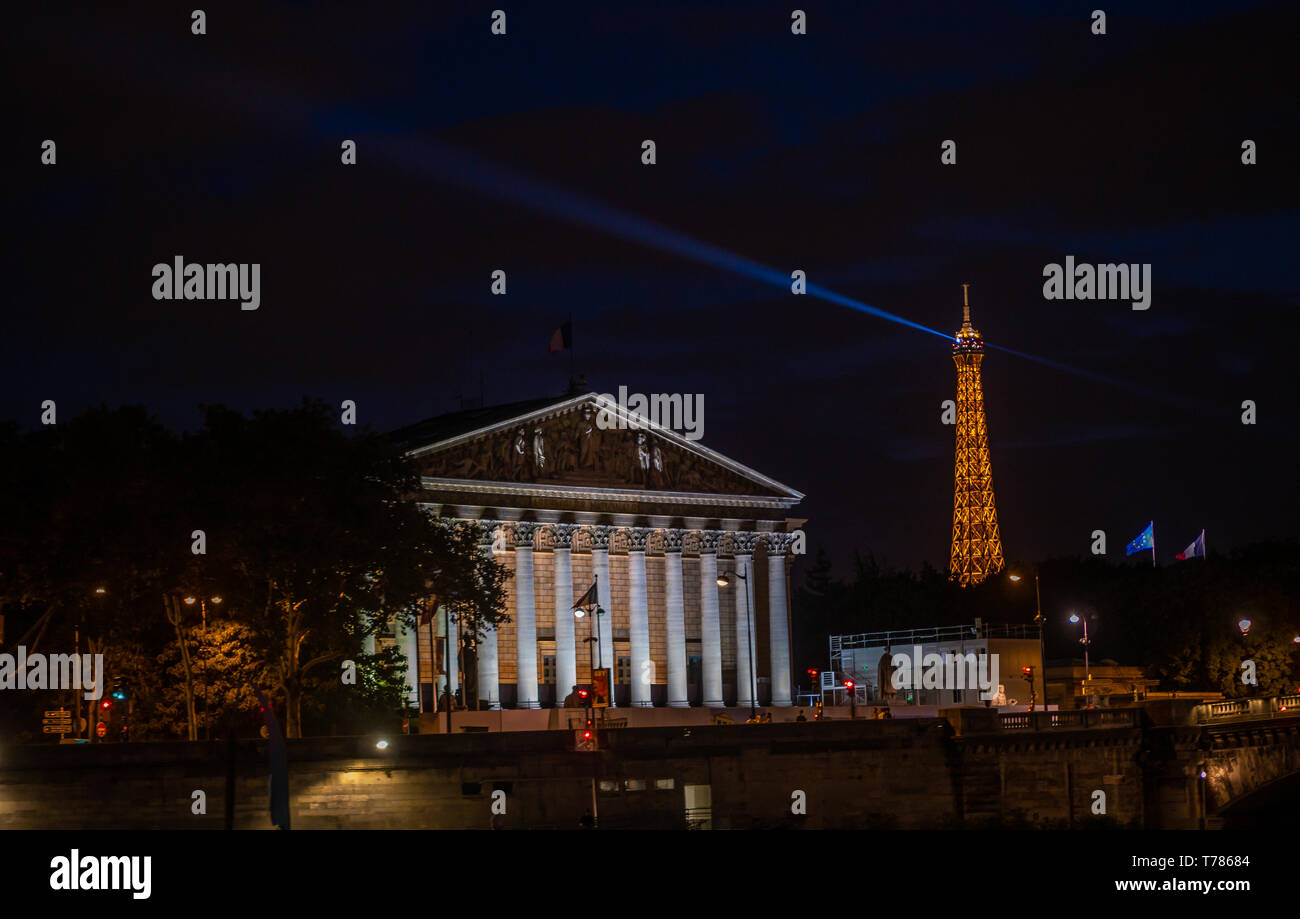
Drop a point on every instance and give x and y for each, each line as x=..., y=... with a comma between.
x=446, y=619
x=572, y=350
x=1153, y=543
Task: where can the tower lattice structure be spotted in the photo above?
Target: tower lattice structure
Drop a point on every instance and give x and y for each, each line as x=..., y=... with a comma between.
x=976, y=544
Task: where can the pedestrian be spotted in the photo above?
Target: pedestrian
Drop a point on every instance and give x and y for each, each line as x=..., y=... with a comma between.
x=800, y=716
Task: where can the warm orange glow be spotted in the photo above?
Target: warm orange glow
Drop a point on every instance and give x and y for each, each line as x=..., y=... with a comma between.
x=976, y=541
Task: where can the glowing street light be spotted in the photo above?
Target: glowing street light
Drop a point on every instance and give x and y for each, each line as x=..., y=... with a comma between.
x=1087, y=668
x=724, y=579
x=1244, y=625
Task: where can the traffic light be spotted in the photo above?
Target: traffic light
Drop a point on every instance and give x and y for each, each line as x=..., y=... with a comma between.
x=1028, y=672
x=106, y=704
x=585, y=740
x=584, y=695
x=848, y=685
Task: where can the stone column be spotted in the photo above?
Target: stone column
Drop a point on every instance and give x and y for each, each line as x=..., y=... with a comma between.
x=639, y=620
x=745, y=649
x=408, y=643
x=367, y=640
x=776, y=618
x=489, y=679
x=604, y=625
x=525, y=618
x=452, y=657
x=566, y=661
x=676, y=622
x=710, y=621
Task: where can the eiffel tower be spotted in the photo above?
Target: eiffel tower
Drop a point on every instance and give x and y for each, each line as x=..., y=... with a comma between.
x=976, y=545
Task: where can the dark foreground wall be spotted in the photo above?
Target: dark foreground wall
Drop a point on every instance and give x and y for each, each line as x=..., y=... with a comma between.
x=906, y=773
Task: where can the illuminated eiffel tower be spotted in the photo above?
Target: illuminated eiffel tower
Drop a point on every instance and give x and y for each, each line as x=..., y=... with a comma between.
x=976, y=545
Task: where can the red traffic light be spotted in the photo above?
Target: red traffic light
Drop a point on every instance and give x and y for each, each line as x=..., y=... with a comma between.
x=586, y=735
x=848, y=684
x=106, y=704
x=584, y=694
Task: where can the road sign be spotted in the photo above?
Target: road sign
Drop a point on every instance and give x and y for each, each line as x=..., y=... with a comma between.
x=600, y=687
x=101, y=729
x=59, y=713
x=57, y=729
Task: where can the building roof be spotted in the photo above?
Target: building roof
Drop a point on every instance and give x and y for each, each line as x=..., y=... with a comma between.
x=454, y=424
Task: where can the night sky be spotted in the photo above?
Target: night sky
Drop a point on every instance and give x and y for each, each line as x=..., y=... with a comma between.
x=817, y=152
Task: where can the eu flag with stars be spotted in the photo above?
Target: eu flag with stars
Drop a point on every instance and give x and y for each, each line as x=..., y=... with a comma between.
x=1145, y=540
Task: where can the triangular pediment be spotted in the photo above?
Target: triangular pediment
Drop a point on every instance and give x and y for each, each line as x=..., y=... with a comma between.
x=590, y=441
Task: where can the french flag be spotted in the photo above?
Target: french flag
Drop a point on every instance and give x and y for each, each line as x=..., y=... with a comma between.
x=1195, y=550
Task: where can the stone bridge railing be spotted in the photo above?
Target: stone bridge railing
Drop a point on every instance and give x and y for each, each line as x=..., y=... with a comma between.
x=1212, y=712
x=1072, y=720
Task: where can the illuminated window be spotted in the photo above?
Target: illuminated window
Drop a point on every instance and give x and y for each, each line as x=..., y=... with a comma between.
x=663, y=784
x=634, y=785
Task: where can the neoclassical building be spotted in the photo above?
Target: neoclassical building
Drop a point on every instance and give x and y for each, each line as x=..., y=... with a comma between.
x=565, y=496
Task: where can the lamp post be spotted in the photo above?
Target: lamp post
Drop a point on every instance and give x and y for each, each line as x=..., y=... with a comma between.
x=1038, y=621
x=1087, y=668
x=723, y=580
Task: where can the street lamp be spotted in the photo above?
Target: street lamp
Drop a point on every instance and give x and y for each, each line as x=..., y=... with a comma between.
x=1087, y=669
x=1243, y=625
x=1038, y=620
x=724, y=579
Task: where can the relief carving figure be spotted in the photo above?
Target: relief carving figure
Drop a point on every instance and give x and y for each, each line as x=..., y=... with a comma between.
x=580, y=451
x=586, y=439
x=519, y=456
x=539, y=450
x=642, y=460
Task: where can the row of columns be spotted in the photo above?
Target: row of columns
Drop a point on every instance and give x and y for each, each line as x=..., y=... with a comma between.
x=523, y=535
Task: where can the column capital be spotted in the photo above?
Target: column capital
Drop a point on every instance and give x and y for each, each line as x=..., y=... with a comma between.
x=637, y=537
x=524, y=534
x=777, y=543
x=744, y=543
x=709, y=540
x=600, y=536
x=673, y=540
x=486, y=530
x=562, y=535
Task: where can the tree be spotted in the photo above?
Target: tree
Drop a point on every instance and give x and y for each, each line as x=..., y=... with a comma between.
x=319, y=540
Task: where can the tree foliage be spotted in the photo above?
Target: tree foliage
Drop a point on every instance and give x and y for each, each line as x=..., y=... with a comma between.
x=314, y=540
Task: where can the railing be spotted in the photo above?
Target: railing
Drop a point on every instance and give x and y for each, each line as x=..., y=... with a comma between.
x=932, y=635
x=576, y=723
x=1248, y=708
x=1071, y=720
